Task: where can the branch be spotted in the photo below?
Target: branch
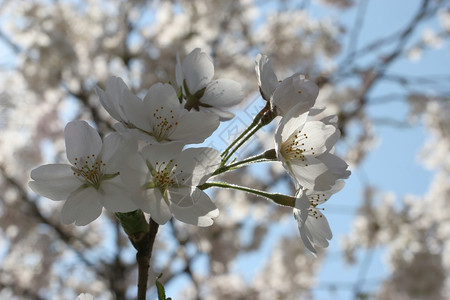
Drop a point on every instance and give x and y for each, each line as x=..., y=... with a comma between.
x=362, y=274
x=371, y=75
x=144, y=253
x=15, y=48
x=353, y=43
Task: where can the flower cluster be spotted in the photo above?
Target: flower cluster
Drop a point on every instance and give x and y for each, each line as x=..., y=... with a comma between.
x=149, y=163
x=303, y=146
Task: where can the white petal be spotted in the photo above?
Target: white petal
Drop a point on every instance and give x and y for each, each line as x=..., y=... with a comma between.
x=194, y=127
x=292, y=122
x=303, y=231
x=289, y=125
x=164, y=111
x=223, y=93
x=111, y=144
x=81, y=140
x=117, y=148
x=315, y=137
x=292, y=91
x=115, y=197
x=134, y=172
x=161, y=153
x=314, y=111
x=116, y=90
x=267, y=79
x=336, y=164
x=198, y=70
x=323, y=196
x=135, y=111
x=197, y=165
x=111, y=107
x=54, y=181
x=319, y=230
x=307, y=174
x=135, y=133
x=332, y=120
x=162, y=95
x=142, y=200
x=306, y=239
x=222, y=114
x=157, y=207
x=121, y=96
x=336, y=169
x=193, y=206
x=82, y=207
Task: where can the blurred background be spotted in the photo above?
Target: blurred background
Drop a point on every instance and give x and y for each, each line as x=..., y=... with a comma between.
x=382, y=66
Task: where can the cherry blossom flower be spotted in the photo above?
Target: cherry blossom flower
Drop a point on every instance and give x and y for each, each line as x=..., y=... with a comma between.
x=303, y=147
x=312, y=224
x=195, y=75
x=91, y=182
x=159, y=118
x=166, y=179
x=284, y=95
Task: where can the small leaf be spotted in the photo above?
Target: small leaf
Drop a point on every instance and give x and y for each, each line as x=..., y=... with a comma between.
x=133, y=223
x=160, y=288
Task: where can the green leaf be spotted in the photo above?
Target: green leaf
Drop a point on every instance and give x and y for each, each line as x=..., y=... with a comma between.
x=133, y=223
x=160, y=288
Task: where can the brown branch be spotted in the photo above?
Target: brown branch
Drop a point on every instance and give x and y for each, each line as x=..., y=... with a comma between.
x=372, y=74
x=357, y=27
x=14, y=47
x=144, y=249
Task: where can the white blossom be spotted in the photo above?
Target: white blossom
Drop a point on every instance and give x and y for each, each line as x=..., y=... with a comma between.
x=91, y=182
x=304, y=149
x=194, y=77
x=166, y=180
x=159, y=118
x=286, y=94
x=312, y=223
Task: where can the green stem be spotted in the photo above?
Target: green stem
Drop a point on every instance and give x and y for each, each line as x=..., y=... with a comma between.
x=255, y=122
x=242, y=142
x=269, y=155
x=266, y=118
x=280, y=199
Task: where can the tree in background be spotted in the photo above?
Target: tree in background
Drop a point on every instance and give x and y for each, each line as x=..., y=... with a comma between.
x=54, y=54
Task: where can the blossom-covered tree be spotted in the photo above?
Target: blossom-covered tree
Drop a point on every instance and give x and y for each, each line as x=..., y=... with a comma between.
x=154, y=112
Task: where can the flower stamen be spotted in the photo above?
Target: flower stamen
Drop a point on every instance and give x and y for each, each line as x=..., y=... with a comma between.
x=89, y=170
x=163, y=123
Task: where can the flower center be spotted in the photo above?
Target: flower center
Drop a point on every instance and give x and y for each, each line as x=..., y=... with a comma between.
x=163, y=175
x=294, y=148
x=163, y=123
x=314, y=200
x=89, y=170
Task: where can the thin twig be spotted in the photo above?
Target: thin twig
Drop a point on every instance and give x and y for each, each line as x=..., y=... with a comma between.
x=353, y=43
